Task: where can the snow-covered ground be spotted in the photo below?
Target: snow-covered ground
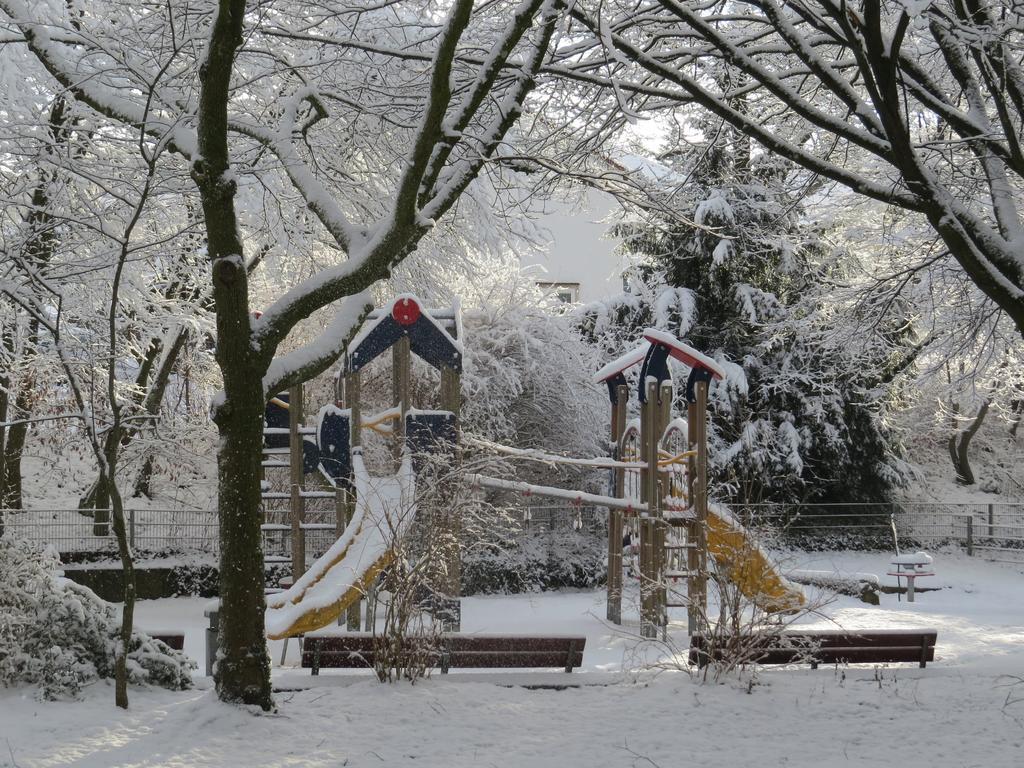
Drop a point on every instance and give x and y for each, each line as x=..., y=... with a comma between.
x=963, y=710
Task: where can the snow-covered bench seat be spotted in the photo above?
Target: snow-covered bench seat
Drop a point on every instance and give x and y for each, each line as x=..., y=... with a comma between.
x=830, y=646
x=453, y=651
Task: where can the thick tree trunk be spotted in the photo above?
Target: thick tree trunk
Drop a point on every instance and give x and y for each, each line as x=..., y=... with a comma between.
x=14, y=442
x=242, y=670
x=6, y=357
x=14, y=448
x=97, y=500
x=5, y=383
x=144, y=481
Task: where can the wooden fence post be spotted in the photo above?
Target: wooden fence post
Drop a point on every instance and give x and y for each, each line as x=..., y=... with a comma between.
x=659, y=522
x=699, y=600
x=351, y=401
x=401, y=371
x=446, y=518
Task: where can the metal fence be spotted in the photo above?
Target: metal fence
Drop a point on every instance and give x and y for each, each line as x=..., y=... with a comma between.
x=72, y=531
x=994, y=531
x=545, y=518
x=151, y=532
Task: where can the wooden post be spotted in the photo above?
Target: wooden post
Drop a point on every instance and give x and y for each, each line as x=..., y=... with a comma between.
x=699, y=599
x=370, y=623
x=692, y=528
x=344, y=508
x=296, y=511
x=615, y=516
x=351, y=401
x=660, y=532
x=401, y=364
x=447, y=519
x=649, y=436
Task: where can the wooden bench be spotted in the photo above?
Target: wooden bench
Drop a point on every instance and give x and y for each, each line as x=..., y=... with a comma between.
x=454, y=651
x=825, y=647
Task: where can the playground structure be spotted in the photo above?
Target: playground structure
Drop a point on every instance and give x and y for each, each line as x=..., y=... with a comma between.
x=372, y=512
x=658, y=489
x=663, y=465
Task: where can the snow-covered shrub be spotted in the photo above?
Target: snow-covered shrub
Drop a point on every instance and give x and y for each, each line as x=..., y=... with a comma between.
x=535, y=562
x=60, y=636
x=528, y=375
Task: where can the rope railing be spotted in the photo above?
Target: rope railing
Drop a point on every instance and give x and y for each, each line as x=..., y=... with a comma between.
x=534, y=454
x=575, y=497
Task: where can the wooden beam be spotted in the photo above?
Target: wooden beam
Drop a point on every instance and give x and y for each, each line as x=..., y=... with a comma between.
x=296, y=479
x=615, y=516
x=401, y=364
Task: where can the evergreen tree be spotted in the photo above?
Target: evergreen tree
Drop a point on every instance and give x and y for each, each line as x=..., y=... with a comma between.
x=800, y=415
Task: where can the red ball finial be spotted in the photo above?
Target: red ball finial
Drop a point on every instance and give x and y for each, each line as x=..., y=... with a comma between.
x=406, y=311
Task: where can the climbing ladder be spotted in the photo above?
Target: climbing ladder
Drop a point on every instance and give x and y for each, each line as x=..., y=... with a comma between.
x=298, y=521
x=668, y=482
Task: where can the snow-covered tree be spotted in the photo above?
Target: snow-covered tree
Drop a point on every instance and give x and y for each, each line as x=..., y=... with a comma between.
x=90, y=334
x=917, y=105
x=799, y=415
x=373, y=122
x=966, y=352
x=528, y=379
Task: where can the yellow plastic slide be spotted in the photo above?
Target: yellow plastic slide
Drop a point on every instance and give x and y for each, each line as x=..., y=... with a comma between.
x=282, y=622
x=747, y=566
x=342, y=575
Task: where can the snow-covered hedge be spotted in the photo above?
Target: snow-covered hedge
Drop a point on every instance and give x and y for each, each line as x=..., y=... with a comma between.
x=535, y=562
x=60, y=636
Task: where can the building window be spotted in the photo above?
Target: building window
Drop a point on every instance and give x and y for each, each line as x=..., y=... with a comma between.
x=567, y=293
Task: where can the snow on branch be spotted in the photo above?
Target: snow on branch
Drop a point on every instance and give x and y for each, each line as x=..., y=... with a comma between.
x=431, y=130
x=751, y=126
x=475, y=94
x=318, y=199
x=315, y=357
x=64, y=60
x=460, y=174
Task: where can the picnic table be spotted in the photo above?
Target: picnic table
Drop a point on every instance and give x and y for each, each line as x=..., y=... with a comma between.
x=911, y=567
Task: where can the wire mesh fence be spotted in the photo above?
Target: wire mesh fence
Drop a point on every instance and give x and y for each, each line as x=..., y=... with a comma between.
x=154, y=532
x=541, y=518
x=995, y=531
x=988, y=529
x=73, y=531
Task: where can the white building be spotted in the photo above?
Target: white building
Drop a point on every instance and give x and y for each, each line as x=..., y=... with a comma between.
x=581, y=263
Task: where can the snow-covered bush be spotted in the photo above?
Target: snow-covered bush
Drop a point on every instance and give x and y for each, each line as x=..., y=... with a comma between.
x=535, y=563
x=528, y=376
x=60, y=636
x=528, y=383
